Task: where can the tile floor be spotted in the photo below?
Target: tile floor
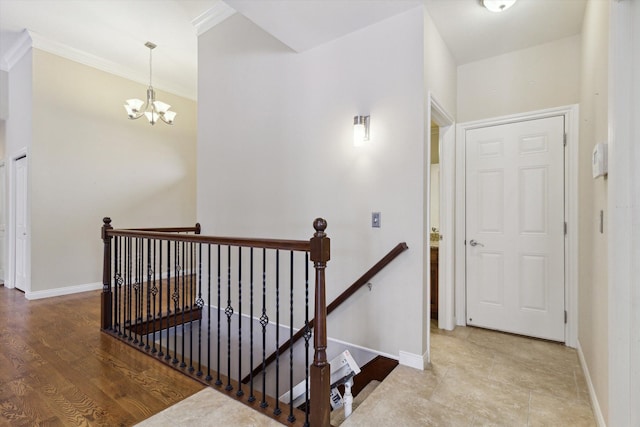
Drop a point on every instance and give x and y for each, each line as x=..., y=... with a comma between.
x=483, y=378
x=478, y=378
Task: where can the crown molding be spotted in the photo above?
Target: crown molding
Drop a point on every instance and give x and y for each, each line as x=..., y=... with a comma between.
x=30, y=39
x=17, y=51
x=212, y=17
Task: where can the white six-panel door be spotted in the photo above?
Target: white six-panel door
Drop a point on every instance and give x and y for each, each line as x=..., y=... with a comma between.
x=515, y=227
x=21, y=229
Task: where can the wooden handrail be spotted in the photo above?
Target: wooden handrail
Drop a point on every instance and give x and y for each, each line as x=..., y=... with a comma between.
x=368, y=275
x=195, y=229
x=293, y=245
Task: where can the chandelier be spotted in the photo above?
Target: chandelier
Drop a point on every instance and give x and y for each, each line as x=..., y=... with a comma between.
x=152, y=109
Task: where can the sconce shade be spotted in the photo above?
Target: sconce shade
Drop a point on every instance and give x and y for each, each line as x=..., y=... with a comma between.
x=360, y=130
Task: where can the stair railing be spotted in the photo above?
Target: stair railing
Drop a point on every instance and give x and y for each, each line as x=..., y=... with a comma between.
x=160, y=286
x=359, y=283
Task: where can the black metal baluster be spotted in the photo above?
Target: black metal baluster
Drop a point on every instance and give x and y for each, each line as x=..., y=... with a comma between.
x=252, y=398
x=169, y=298
x=154, y=292
x=276, y=410
x=176, y=299
x=239, y=392
x=134, y=290
x=229, y=312
x=307, y=337
x=208, y=377
x=184, y=300
x=200, y=304
x=127, y=288
x=125, y=269
x=218, y=380
x=139, y=290
x=291, y=418
x=118, y=282
x=192, y=303
x=160, y=316
x=149, y=285
x=264, y=321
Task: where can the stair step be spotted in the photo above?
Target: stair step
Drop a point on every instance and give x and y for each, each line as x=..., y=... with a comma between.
x=337, y=416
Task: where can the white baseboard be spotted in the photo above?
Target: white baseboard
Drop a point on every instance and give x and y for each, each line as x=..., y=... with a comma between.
x=67, y=290
x=413, y=360
x=597, y=412
x=359, y=347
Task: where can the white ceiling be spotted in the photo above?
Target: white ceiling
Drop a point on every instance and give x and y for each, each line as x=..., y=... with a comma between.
x=110, y=34
x=473, y=33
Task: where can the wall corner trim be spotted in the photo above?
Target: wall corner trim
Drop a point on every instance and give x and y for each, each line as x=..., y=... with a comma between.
x=67, y=290
x=597, y=412
x=413, y=360
x=17, y=51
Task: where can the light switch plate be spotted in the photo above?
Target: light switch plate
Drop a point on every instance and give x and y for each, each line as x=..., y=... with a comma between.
x=375, y=219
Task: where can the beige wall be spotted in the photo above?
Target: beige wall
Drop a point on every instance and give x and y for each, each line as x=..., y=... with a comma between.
x=593, y=286
x=87, y=161
x=539, y=77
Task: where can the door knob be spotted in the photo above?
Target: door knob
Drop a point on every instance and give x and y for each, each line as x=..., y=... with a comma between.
x=474, y=243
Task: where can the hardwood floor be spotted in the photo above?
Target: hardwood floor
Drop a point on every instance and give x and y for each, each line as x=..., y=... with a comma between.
x=58, y=369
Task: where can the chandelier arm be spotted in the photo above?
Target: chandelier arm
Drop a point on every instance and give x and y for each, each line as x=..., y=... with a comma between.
x=136, y=116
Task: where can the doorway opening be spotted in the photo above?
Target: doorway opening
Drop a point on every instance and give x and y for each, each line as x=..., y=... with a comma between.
x=439, y=238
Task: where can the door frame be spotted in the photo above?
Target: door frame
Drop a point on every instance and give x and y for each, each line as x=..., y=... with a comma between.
x=446, y=146
x=11, y=224
x=570, y=113
x=4, y=213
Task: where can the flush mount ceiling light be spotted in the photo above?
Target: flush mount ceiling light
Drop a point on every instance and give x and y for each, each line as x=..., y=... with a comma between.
x=152, y=109
x=498, y=5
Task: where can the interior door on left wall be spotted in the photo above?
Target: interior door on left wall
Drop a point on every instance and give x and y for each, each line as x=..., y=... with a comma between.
x=21, y=229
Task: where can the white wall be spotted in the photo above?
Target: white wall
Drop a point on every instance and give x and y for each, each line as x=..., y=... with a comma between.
x=18, y=132
x=4, y=94
x=593, y=285
x=275, y=151
x=536, y=78
x=624, y=215
x=439, y=68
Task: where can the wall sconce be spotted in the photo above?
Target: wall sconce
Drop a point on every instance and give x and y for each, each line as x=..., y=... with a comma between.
x=360, y=130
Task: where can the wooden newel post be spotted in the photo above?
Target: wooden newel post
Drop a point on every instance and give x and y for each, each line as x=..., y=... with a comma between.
x=320, y=371
x=106, y=276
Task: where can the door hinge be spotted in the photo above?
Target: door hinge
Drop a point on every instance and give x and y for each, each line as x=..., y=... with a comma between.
x=565, y=228
x=565, y=317
x=565, y=139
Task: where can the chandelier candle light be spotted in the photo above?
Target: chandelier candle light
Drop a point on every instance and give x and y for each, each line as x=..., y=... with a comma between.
x=152, y=109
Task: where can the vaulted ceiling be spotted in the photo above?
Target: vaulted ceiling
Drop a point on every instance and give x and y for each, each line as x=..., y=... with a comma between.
x=110, y=34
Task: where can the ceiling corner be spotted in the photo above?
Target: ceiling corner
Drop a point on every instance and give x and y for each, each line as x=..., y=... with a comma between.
x=212, y=17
